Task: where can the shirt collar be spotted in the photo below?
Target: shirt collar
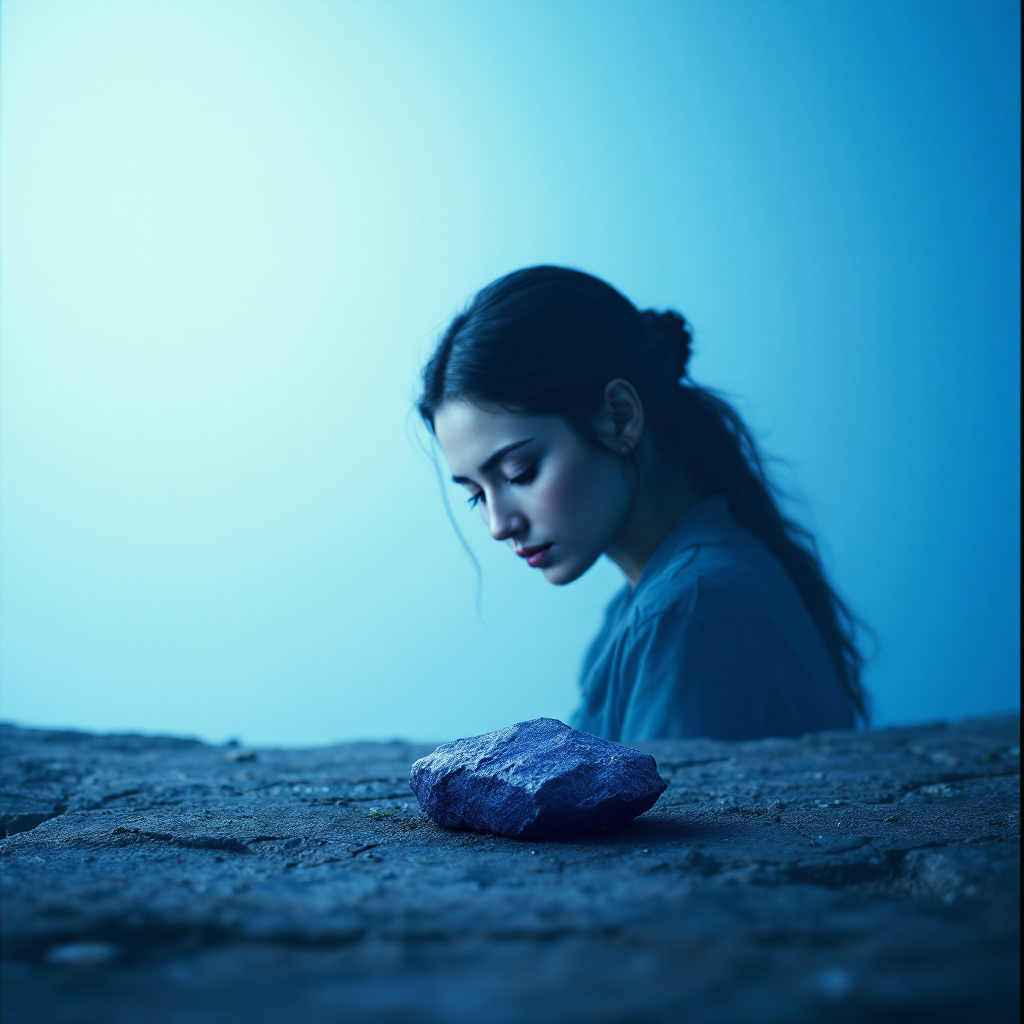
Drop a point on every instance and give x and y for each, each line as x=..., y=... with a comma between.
x=708, y=522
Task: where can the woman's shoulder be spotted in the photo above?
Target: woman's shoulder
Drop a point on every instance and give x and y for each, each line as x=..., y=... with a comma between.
x=713, y=568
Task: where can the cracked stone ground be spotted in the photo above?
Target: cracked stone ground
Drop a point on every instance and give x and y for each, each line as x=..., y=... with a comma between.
x=868, y=876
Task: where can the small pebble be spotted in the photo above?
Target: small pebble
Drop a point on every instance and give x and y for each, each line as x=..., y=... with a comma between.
x=831, y=982
x=81, y=954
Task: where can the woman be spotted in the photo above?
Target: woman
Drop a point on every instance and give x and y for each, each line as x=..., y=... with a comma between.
x=568, y=416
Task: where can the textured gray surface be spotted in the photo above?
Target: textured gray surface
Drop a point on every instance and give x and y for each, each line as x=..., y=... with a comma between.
x=841, y=877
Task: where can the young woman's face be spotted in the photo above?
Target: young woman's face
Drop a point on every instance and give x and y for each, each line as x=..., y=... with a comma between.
x=555, y=500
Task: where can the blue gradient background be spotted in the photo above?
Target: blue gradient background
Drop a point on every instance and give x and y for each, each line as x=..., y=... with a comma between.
x=231, y=231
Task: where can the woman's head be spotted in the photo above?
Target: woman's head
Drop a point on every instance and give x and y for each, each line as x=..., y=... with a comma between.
x=537, y=394
x=543, y=395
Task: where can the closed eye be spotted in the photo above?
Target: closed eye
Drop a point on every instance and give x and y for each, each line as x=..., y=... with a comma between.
x=527, y=476
x=475, y=499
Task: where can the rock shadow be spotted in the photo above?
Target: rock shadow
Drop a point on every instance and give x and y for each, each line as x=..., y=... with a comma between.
x=658, y=830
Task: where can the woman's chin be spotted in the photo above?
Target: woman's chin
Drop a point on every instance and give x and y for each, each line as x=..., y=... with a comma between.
x=565, y=572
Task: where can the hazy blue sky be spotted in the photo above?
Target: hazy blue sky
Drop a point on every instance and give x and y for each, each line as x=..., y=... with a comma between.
x=231, y=232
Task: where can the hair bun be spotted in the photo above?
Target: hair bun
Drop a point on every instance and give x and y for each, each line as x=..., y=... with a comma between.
x=671, y=330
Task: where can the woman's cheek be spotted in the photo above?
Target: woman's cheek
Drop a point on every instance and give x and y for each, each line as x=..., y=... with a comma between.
x=558, y=508
x=578, y=507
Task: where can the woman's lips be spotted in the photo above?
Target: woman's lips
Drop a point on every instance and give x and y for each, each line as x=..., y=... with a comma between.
x=535, y=556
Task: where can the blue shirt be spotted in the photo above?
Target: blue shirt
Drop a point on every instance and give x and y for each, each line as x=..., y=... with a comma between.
x=713, y=641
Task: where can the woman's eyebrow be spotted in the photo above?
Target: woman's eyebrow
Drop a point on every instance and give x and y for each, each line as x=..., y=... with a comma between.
x=493, y=460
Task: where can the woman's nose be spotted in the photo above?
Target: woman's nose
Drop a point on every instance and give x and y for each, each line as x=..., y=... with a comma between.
x=505, y=522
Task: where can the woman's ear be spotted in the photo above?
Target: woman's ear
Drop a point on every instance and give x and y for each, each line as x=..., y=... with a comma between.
x=621, y=419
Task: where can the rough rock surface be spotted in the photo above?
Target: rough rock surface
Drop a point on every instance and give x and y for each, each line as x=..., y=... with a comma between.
x=535, y=780
x=867, y=876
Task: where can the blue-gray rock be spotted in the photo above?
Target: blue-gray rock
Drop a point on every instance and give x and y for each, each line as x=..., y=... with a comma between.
x=535, y=780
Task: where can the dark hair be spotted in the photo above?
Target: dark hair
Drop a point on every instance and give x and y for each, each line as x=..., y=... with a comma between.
x=547, y=340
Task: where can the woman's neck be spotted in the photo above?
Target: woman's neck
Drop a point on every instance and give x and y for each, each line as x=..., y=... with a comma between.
x=665, y=497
